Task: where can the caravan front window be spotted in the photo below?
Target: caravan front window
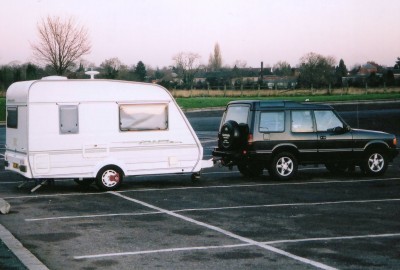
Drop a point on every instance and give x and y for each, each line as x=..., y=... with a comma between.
x=12, y=117
x=69, y=119
x=141, y=117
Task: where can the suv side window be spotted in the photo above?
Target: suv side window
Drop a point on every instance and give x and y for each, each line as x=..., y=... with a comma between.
x=302, y=121
x=327, y=120
x=272, y=122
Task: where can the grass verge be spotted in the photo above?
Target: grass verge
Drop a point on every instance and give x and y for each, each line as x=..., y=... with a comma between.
x=209, y=102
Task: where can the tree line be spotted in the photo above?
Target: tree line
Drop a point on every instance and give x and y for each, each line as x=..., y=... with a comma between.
x=63, y=43
x=314, y=71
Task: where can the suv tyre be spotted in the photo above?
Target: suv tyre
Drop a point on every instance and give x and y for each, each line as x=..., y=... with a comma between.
x=284, y=166
x=375, y=163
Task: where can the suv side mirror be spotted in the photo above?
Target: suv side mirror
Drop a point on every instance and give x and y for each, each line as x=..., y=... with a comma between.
x=338, y=130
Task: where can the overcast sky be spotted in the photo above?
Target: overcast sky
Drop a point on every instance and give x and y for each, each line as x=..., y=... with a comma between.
x=153, y=31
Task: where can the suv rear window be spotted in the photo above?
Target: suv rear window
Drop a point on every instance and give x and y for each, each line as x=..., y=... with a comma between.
x=272, y=121
x=240, y=114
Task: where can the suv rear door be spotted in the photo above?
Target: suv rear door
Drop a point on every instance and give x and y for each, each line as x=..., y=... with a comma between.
x=303, y=134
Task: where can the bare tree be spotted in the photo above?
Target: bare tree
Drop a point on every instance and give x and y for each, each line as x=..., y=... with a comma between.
x=186, y=66
x=111, y=67
x=316, y=70
x=61, y=43
x=282, y=68
x=240, y=64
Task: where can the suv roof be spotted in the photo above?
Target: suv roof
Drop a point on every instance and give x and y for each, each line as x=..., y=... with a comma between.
x=274, y=104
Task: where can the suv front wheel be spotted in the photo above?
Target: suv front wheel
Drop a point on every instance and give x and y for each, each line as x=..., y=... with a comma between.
x=375, y=163
x=283, y=166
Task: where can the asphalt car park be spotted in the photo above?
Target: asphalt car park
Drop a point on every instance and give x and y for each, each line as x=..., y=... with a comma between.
x=223, y=221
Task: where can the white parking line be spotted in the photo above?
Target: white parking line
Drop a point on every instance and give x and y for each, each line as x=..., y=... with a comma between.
x=266, y=184
x=209, y=141
x=209, y=187
x=334, y=238
x=93, y=216
x=284, y=205
x=227, y=233
x=214, y=209
x=142, y=252
x=157, y=251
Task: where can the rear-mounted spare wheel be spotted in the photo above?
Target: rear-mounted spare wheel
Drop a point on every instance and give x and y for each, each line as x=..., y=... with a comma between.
x=232, y=135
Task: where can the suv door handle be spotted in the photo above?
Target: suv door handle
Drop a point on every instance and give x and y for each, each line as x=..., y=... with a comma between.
x=322, y=137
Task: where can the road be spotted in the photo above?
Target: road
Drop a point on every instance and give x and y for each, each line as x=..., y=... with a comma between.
x=224, y=221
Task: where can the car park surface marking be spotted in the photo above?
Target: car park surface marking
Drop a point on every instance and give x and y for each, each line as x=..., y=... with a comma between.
x=208, y=187
x=158, y=251
x=212, y=209
x=93, y=216
x=225, y=232
x=181, y=249
x=20, y=251
x=334, y=238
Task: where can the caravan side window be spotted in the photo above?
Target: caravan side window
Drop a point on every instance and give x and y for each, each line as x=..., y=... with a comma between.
x=142, y=117
x=69, y=119
x=12, y=117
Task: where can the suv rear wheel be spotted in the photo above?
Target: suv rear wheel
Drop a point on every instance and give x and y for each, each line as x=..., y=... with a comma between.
x=284, y=166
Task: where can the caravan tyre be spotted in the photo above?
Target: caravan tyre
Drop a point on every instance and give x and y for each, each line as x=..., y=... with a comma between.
x=109, y=178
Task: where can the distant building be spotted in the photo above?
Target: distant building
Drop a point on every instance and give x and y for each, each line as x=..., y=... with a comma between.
x=367, y=69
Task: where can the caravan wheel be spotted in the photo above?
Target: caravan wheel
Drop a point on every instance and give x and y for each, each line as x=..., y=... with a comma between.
x=109, y=178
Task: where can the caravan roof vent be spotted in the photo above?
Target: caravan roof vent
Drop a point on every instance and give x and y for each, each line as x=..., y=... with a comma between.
x=91, y=73
x=50, y=78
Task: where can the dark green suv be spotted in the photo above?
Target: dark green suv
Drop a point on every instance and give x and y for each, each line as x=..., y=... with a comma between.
x=280, y=135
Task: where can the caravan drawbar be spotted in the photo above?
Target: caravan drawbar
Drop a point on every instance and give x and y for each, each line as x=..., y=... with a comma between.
x=100, y=130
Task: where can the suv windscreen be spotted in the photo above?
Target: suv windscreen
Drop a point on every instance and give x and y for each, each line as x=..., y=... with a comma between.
x=239, y=114
x=327, y=120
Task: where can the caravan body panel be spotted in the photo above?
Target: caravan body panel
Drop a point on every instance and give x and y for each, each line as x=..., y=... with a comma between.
x=73, y=128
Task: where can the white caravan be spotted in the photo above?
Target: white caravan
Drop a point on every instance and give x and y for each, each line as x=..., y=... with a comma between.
x=97, y=129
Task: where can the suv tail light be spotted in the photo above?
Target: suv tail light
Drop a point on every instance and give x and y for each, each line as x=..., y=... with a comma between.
x=250, y=139
x=395, y=141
